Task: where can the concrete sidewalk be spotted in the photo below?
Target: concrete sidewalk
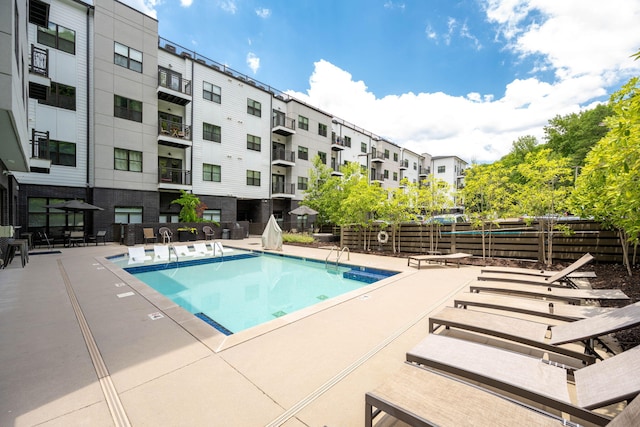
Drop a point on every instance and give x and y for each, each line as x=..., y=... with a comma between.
x=79, y=346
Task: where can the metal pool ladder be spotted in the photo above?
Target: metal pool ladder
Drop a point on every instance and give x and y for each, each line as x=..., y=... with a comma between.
x=172, y=248
x=339, y=253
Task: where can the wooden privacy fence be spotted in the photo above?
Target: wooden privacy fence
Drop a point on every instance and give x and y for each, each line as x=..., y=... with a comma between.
x=513, y=239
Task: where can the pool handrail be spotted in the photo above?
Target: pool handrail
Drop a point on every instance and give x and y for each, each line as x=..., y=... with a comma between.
x=339, y=254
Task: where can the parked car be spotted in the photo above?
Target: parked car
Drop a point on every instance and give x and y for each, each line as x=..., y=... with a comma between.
x=447, y=219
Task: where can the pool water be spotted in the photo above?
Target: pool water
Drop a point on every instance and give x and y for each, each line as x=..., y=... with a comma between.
x=240, y=292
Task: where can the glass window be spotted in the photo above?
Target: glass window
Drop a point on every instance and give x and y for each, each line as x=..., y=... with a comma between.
x=212, y=215
x=60, y=96
x=303, y=153
x=395, y=176
x=386, y=174
x=126, y=108
x=211, y=132
x=59, y=152
x=322, y=129
x=323, y=157
x=363, y=147
x=128, y=215
x=303, y=123
x=254, y=107
x=254, y=142
x=395, y=157
x=211, y=172
x=303, y=183
x=169, y=218
x=127, y=57
x=347, y=141
x=58, y=37
x=386, y=154
x=211, y=92
x=127, y=160
x=442, y=169
x=253, y=178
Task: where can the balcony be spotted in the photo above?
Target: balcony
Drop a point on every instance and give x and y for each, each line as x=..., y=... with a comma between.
x=174, y=133
x=377, y=158
x=40, y=160
x=173, y=88
x=422, y=171
x=173, y=178
x=282, y=125
x=39, y=81
x=377, y=177
x=404, y=164
x=283, y=190
x=283, y=158
x=337, y=143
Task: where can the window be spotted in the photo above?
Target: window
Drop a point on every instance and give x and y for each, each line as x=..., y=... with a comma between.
x=127, y=57
x=253, y=178
x=303, y=153
x=210, y=172
x=322, y=129
x=59, y=152
x=51, y=221
x=60, y=96
x=126, y=108
x=303, y=183
x=303, y=123
x=128, y=215
x=386, y=154
x=58, y=37
x=254, y=107
x=415, y=166
x=254, y=142
x=363, y=147
x=127, y=160
x=211, y=132
x=395, y=157
x=169, y=218
x=395, y=176
x=347, y=141
x=212, y=215
x=442, y=169
x=211, y=92
x=386, y=174
x=323, y=157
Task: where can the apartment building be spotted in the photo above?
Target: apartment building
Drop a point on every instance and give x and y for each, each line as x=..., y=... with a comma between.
x=124, y=119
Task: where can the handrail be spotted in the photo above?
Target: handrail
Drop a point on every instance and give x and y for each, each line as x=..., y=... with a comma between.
x=172, y=248
x=339, y=254
x=342, y=251
x=326, y=260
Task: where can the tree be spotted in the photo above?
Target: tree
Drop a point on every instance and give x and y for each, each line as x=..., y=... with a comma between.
x=322, y=194
x=191, y=205
x=519, y=150
x=608, y=187
x=400, y=205
x=434, y=197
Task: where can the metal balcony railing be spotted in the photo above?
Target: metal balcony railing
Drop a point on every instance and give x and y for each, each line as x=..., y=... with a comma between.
x=39, y=61
x=424, y=171
x=173, y=81
x=283, y=121
x=404, y=164
x=39, y=144
x=174, y=176
x=284, y=155
x=283, y=188
x=174, y=129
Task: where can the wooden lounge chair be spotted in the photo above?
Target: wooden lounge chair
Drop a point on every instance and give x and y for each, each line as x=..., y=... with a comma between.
x=575, y=296
x=423, y=397
x=610, y=381
x=416, y=260
x=554, y=310
x=541, y=335
x=559, y=278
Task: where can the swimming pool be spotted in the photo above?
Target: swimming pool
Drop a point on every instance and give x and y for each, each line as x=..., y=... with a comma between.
x=240, y=291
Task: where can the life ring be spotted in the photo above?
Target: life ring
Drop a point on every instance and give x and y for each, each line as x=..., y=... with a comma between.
x=383, y=237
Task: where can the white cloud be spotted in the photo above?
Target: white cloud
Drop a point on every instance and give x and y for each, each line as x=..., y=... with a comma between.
x=263, y=12
x=253, y=62
x=391, y=5
x=431, y=33
x=228, y=6
x=186, y=3
x=148, y=7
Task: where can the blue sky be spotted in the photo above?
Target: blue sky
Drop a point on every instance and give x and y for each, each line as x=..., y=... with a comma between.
x=444, y=77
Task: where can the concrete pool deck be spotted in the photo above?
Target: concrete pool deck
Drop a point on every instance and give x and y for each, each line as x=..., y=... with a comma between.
x=82, y=344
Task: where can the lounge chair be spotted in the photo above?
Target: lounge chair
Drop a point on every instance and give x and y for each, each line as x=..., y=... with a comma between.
x=559, y=278
x=535, y=334
x=218, y=249
x=161, y=253
x=610, y=381
x=138, y=255
x=419, y=397
x=532, y=306
x=202, y=249
x=416, y=260
x=209, y=234
x=166, y=234
x=148, y=235
x=548, y=292
x=183, y=251
x=423, y=397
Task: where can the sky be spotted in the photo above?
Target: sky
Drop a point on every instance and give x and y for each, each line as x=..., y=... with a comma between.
x=444, y=77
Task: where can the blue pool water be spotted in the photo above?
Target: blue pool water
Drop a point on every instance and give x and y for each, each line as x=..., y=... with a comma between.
x=242, y=291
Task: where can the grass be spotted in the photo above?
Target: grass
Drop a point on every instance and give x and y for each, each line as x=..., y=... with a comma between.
x=296, y=238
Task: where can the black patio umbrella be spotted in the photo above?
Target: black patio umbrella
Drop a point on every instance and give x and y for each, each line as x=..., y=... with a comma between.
x=74, y=206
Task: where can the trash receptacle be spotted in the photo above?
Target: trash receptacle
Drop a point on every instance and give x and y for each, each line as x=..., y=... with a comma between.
x=225, y=233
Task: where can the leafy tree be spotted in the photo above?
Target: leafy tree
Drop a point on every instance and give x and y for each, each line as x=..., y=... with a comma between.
x=192, y=208
x=434, y=197
x=400, y=205
x=544, y=194
x=519, y=150
x=608, y=187
x=575, y=134
x=322, y=194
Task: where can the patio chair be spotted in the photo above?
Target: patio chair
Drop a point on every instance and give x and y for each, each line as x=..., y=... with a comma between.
x=137, y=255
x=541, y=335
x=100, y=235
x=161, y=253
x=610, y=381
x=166, y=234
x=559, y=278
x=420, y=396
x=76, y=238
x=149, y=235
x=548, y=292
x=209, y=234
x=535, y=307
x=201, y=249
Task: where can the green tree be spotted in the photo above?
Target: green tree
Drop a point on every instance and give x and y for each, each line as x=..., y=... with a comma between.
x=609, y=186
x=400, y=205
x=434, y=197
x=322, y=193
x=519, y=150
